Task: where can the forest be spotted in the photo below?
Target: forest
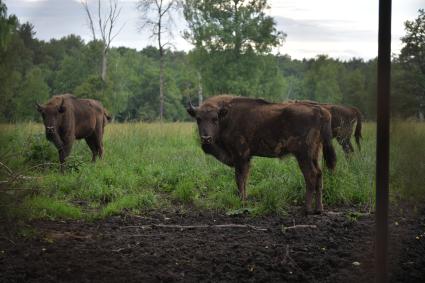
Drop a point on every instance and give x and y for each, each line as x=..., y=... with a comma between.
x=32, y=70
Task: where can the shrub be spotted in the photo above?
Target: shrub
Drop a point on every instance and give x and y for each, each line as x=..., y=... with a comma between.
x=38, y=150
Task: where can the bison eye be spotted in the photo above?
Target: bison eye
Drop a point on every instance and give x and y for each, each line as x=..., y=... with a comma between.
x=215, y=120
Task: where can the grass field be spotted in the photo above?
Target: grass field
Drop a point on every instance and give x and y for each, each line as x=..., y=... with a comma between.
x=148, y=166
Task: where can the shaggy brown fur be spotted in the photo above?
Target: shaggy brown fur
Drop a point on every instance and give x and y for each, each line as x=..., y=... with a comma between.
x=67, y=118
x=343, y=120
x=233, y=129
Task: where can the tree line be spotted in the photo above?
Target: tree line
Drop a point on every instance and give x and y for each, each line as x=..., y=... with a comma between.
x=233, y=42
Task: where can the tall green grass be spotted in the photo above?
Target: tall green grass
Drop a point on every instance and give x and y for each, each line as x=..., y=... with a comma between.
x=407, y=170
x=148, y=166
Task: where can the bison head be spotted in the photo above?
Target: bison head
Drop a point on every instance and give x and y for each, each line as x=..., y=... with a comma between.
x=52, y=118
x=208, y=119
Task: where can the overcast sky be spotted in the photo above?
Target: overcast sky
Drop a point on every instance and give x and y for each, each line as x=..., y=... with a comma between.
x=340, y=28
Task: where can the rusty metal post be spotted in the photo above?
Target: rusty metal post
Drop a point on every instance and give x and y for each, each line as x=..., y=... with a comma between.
x=382, y=140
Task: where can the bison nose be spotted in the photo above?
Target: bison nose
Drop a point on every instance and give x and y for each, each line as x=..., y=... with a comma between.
x=206, y=139
x=50, y=129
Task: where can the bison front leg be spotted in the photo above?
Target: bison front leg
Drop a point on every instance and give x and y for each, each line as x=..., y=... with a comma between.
x=60, y=145
x=310, y=177
x=63, y=154
x=241, y=175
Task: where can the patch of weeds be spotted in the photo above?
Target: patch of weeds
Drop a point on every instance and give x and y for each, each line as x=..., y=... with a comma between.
x=145, y=200
x=27, y=232
x=92, y=187
x=224, y=200
x=39, y=150
x=74, y=163
x=41, y=207
x=272, y=201
x=240, y=211
x=185, y=192
x=268, y=197
x=354, y=216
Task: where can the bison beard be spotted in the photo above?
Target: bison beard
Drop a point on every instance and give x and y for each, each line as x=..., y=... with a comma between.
x=218, y=152
x=254, y=127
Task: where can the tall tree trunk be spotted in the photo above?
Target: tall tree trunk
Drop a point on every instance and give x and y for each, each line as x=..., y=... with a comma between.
x=104, y=64
x=161, y=68
x=200, y=96
x=161, y=86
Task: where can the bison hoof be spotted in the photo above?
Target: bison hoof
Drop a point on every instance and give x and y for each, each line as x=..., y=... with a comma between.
x=313, y=212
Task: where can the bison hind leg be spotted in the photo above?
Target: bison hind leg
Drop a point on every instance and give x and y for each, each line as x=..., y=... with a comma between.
x=98, y=133
x=318, y=187
x=93, y=145
x=312, y=173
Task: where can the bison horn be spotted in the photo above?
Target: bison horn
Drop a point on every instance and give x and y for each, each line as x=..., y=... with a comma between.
x=39, y=107
x=191, y=109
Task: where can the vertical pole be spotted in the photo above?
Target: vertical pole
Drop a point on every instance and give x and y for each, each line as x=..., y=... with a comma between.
x=382, y=139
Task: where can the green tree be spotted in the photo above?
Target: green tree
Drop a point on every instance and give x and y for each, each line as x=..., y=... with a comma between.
x=232, y=39
x=7, y=25
x=413, y=51
x=409, y=79
x=238, y=25
x=370, y=71
x=321, y=80
x=15, y=63
x=104, y=24
x=352, y=84
x=33, y=89
x=157, y=16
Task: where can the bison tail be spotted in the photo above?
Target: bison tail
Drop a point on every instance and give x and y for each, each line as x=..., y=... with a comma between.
x=107, y=116
x=358, y=130
x=328, y=149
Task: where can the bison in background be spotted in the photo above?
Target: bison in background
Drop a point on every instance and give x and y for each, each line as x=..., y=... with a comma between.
x=343, y=120
x=67, y=118
x=234, y=129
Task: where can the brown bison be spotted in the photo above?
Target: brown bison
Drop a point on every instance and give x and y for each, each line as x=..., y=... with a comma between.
x=233, y=129
x=67, y=118
x=343, y=120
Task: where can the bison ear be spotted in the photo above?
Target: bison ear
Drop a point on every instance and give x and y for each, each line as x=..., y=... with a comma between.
x=191, y=110
x=222, y=112
x=39, y=107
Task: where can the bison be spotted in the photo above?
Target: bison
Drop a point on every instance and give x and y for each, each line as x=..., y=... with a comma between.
x=343, y=120
x=234, y=129
x=67, y=118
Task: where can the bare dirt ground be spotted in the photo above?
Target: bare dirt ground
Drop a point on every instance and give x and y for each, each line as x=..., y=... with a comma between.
x=336, y=247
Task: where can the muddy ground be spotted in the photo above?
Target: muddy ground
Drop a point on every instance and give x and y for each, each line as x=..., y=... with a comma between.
x=337, y=247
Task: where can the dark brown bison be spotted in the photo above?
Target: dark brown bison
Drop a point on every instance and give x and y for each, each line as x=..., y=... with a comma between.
x=343, y=120
x=233, y=129
x=67, y=118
